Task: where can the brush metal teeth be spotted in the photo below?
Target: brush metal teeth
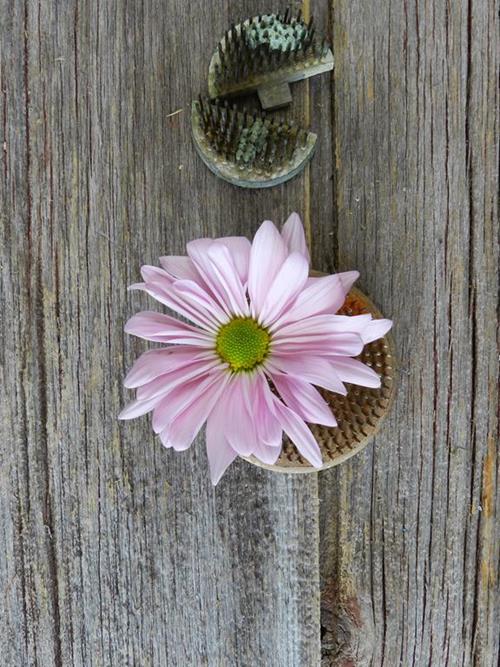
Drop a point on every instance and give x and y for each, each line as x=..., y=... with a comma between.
x=269, y=43
x=249, y=148
x=249, y=139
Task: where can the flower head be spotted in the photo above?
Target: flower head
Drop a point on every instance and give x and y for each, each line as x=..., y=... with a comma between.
x=260, y=336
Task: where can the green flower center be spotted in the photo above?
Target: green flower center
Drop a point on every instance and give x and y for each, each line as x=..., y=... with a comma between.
x=243, y=343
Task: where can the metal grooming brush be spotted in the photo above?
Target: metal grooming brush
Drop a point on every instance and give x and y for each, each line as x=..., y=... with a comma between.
x=249, y=149
x=265, y=54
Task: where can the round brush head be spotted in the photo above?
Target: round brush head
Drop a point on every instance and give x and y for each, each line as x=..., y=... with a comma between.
x=249, y=149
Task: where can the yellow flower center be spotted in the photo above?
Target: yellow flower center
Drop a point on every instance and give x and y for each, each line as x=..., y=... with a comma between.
x=243, y=343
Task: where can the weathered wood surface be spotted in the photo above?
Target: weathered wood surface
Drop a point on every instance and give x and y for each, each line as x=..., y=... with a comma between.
x=116, y=552
x=408, y=551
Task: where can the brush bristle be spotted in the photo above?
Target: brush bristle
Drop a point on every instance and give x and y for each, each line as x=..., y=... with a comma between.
x=265, y=44
x=251, y=140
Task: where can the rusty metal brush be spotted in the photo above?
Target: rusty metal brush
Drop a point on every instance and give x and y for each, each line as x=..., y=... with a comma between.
x=249, y=149
x=265, y=54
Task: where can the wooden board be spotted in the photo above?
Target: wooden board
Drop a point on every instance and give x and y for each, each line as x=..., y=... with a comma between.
x=409, y=543
x=116, y=552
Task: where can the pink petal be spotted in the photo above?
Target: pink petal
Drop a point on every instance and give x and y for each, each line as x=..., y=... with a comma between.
x=182, y=303
x=253, y=427
x=322, y=295
x=229, y=282
x=181, y=268
x=220, y=455
x=269, y=431
x=349, y=344
x=155, y=274
x=179, y=398
x=355, y=372
x=304, y=399
x=161, y=328
x=287, y=284
x=137, y=409
x=294, y=237
x=219, y=451
x=136, y=286
x=199, y=302
x=266, y=454
x=322, y=325
x=239, y=427
x=266, y=257
x=176, y=377
x=199, y=251
x=186, y=426
x=375, y=330
x=299, y=434
x=156, y=362
x=316, y=370
x=194, y=302
x=198, y=247
x=164, y=439
x=239, y=247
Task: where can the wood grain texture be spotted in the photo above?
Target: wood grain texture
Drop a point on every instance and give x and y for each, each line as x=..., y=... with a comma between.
x=409, y=539
x=115, y=551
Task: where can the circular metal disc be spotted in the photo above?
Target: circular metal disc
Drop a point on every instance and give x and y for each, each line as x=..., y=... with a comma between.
x=250, y=178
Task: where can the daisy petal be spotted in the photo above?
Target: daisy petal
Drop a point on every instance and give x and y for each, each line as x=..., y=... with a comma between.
x=299, y=434
x=181, y=268
x=196, y=304
x=239, y=427
x=154, y=363
x=340, y=344
x=305, y=400
x=178, y=399
x=185, y=304
x=186, y=426
x=269, y=434
x=164, y=439
x=239, y=247
x=322, y=295
x=287, y=284
x=220, y=455
x=136, y=286
x=199, y=251
x=316, y=370
x=355, y=372
x=269, y=431
x=229, y=281
x=219, y=451
x=266, y=257
x=182, y=373
x=161, y=328
x=375, y=330
x=155, y=274
x=294, y=237
x=137, y=408
x=199, y=302
x=266, y=454
x=322, y=325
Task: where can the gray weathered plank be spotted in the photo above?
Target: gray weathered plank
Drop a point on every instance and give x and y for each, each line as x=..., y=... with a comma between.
x=408, y=551
x=115, y=551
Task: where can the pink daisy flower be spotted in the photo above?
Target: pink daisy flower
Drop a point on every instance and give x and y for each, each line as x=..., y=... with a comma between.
x=260, y=336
